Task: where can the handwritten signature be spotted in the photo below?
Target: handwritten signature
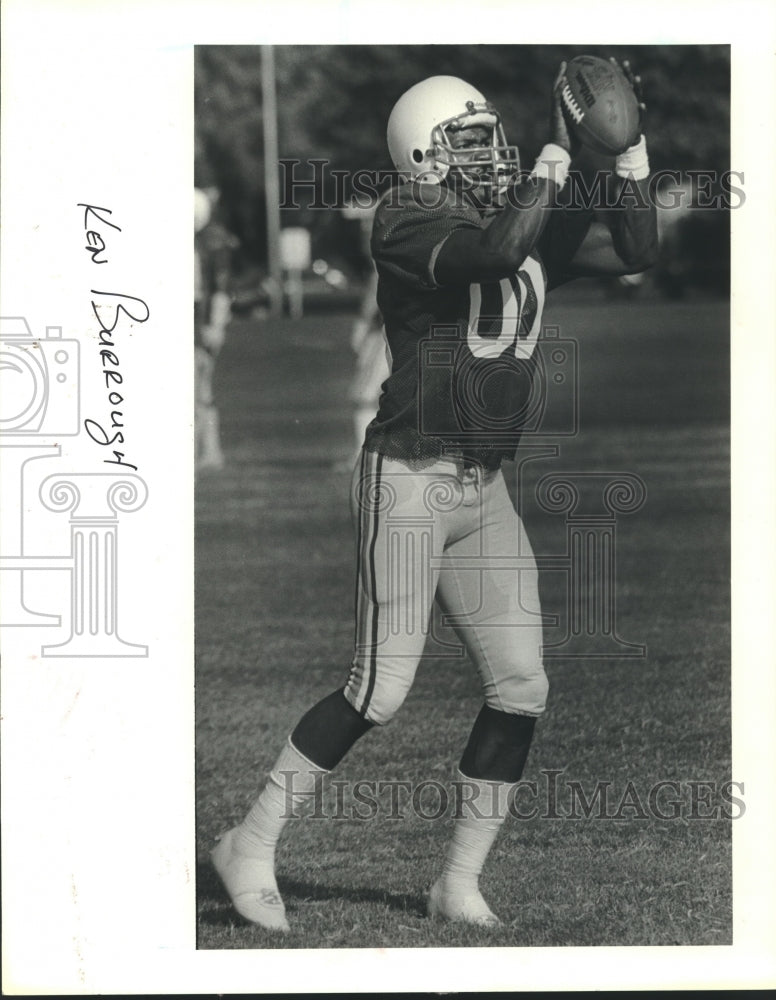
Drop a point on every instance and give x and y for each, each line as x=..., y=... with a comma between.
x=110, y=308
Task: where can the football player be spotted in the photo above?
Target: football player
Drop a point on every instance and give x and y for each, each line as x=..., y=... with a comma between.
x=466, y=249
x=214, y=248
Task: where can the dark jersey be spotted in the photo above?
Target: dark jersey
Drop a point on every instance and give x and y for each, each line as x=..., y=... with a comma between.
x=463, y=359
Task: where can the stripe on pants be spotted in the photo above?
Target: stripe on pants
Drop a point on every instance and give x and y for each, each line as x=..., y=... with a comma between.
x=367, y=607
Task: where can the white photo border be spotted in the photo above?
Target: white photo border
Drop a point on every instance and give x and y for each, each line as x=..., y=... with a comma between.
x=98, y=757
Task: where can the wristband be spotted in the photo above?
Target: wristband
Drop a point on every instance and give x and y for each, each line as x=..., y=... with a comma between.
x=634, y=162
x=553, y=164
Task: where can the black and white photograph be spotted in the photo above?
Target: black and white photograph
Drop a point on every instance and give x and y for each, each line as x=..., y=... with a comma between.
x=399, y=616
x=473, y=352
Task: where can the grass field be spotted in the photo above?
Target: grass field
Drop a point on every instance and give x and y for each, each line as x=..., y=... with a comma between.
x=274, y=633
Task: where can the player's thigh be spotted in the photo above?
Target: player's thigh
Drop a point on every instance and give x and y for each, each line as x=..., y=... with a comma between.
x=489, y=591
x=399, y=542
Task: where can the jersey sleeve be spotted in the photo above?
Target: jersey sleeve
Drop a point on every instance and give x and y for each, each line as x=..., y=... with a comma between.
x=560, y=240
x=410, y=229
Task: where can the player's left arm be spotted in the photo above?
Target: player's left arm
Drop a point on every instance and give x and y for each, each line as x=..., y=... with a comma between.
x=624, y=240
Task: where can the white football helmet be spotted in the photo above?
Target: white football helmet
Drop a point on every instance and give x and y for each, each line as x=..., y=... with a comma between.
x=419, y=143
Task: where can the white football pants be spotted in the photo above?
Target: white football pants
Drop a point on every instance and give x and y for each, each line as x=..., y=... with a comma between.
x=448, y=532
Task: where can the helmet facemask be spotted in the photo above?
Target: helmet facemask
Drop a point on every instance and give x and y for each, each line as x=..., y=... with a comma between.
x=489, y=167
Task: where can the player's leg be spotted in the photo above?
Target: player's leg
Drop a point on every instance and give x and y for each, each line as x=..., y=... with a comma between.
x=211, y=457
x=392, y=590
x=208, y=454
x=399, y=533
x=495, y=610
x=245, y=855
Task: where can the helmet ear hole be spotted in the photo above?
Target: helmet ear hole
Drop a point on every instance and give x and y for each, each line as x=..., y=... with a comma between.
x=417, y=155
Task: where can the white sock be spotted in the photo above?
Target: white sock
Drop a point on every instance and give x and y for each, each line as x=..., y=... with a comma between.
x=244, y=857
x=292, y=784
x=483, y=810
x=456, y=893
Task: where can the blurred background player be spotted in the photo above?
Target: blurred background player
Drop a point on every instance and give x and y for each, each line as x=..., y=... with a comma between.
x=214, y=247
x=367, y=339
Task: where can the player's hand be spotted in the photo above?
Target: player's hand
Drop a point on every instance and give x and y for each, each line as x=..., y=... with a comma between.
x=559, y=131
x=635, y=81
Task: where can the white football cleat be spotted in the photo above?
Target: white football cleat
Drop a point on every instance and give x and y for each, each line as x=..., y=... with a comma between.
x=251, y=885
x=466, y=907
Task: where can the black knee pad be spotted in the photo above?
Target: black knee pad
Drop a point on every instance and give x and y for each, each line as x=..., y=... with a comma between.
x=498, y=746
x=326, y=733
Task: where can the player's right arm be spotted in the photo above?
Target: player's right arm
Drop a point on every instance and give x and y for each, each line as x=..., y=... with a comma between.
x=499, y=250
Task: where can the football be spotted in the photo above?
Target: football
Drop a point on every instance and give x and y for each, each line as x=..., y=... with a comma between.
x=600, y=105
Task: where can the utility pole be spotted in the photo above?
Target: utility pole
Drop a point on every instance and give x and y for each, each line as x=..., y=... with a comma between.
x=271, y=184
